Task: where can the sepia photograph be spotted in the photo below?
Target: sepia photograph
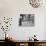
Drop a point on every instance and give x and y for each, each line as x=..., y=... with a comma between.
x=22, y=22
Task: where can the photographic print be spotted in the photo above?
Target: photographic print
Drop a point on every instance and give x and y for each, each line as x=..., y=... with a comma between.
x=26, y=20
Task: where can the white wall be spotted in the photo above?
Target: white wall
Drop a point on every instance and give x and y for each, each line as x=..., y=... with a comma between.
x=13, y=8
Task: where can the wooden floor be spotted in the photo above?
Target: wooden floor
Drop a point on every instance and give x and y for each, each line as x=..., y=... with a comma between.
x=19, y=43
x=4, y=43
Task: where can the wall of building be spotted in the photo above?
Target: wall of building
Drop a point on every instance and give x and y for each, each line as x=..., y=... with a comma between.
x=13, y=8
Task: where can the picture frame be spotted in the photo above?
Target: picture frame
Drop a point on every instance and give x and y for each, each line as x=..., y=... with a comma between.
x=26, y=20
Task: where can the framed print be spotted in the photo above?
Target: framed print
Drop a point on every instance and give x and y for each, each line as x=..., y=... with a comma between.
x=26, y=20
